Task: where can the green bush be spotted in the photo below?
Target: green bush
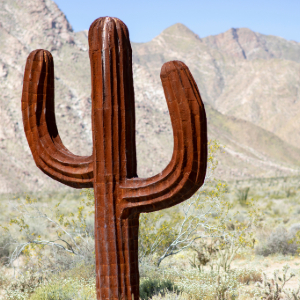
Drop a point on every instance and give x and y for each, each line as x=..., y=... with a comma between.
x=242, y=195
x=151, y=287
x=68, y=289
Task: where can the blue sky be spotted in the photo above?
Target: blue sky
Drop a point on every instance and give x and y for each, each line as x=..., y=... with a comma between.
x=148, y=18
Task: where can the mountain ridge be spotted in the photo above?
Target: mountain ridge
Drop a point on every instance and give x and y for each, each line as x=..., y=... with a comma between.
x=225, y=80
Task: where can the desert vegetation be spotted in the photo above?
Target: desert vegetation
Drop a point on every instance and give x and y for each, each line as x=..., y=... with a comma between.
x=234, y=240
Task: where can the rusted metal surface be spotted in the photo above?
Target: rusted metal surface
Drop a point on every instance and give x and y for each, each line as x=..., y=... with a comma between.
x=120, y=196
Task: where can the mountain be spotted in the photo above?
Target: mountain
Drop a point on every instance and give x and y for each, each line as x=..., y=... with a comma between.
x=249, y=82
x=236, y=69
x=241, y=73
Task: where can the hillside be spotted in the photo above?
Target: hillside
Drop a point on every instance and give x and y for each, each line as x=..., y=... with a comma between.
x=249, y=82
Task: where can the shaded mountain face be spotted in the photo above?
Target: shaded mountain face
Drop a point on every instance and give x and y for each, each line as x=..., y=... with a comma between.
x=249, y=82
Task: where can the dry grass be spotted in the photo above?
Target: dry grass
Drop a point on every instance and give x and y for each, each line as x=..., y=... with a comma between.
x=277, y=198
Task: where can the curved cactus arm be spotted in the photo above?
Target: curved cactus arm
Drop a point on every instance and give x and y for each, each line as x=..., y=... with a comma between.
x=48, y=151
x=186, y=171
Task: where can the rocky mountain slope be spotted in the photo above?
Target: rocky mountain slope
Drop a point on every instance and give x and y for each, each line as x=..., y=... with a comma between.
x=240, y=73
x=249, y=82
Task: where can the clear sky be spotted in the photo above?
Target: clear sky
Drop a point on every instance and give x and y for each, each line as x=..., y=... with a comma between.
x=148, y=18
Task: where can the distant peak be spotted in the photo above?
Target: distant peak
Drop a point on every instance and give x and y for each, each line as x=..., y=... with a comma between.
x=178, y=26
x=242, y=30
x=180, y=29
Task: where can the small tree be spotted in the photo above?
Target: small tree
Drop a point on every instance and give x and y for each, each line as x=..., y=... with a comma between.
x=203, y=218
x=189, y=221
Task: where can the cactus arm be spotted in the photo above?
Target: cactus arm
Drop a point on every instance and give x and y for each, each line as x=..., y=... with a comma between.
x=186, y=171
x=48, y=151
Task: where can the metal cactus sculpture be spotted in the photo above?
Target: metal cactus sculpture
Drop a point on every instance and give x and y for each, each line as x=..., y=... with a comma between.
x=120, y=196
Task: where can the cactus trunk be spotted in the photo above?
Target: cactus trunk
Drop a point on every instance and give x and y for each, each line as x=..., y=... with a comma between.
x=116, y=240
x=113, y=123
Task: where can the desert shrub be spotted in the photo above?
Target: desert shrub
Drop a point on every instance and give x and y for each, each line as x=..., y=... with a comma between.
x=156, y=234
x=23, y=286
x=294, y=228
x=245, y=276
x=5, y=248
x=64, y=242
x=242, y=195
x=151, y=286
x=212, y=285
x=279, y=241
x=289, y=191
x=66, y=289
x=81, y=271
x=172, y=296
x=207, y=285
x=224, y=244
x=148, y=268
x=3, y=277
x=275, y=288
x=201, y=216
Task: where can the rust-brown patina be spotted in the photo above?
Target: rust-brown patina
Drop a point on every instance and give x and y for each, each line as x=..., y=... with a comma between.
x=120, y=196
